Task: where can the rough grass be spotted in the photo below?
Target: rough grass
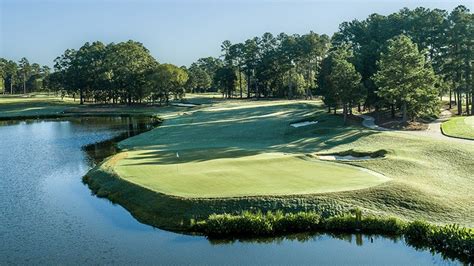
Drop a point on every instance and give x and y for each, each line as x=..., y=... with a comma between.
x=459, y=127
x=431, y=179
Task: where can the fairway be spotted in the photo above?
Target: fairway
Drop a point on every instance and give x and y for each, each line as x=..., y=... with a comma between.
x=237, y=149
x=239, y=155
x=460, y=127
x=33, y=105
x=262, y=174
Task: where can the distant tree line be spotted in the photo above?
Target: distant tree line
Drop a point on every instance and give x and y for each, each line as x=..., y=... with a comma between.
x=404, y=61
x=22, y=77
x=266, y=66
x=117, y=73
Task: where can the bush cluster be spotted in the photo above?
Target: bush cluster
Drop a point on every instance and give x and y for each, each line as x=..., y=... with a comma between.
x=451, y=240
x=258, y=223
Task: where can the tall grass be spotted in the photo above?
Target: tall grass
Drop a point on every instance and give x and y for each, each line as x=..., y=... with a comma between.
x=451, y=240
x=258, y=223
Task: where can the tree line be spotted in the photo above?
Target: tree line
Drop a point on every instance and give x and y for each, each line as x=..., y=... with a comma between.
x=403, y=61
x=406, y=58
x=122, y=72
x=22, y=76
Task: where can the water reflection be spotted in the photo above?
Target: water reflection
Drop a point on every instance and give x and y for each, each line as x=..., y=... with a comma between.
x=357, y=239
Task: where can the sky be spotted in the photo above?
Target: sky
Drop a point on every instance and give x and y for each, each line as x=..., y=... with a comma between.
x=179, y=31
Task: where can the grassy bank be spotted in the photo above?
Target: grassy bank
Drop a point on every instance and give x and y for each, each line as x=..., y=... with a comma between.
x=29, y=106
x=175, y=213
x=459, y=127
x=250, y=149
x=42, y=106
x=451, y=240
x=237, y=142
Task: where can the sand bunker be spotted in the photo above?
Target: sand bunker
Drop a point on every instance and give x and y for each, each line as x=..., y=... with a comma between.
x=343, y=158
x=184, y=104
x=304, y=123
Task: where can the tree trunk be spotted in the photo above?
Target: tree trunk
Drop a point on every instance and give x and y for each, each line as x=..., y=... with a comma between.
x=392, y=110
x=450, y=98
x=257, y=93
x=24, y=83
x=358, y=107
x=472, y=103
x=344, y=111
x=467, y=104
x=455, y=97
x=81, y=97
x=240, y=83
x=329, y=109
x=248, y=86
x=459, y=104
x=404, y=112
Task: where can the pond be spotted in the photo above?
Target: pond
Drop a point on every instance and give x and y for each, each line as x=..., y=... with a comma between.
x=48, y=216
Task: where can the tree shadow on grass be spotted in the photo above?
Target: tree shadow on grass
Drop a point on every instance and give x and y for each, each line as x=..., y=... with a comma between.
x=209, y=135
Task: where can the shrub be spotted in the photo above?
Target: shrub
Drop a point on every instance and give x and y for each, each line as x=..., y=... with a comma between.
x=418, y=232
x=451, y=240
x=258, y=224
x=296, y=222
x=345, y=223
x=389, y=226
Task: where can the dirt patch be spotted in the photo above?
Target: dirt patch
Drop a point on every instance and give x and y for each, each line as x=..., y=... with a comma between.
x=114, y=159
x=384, y=119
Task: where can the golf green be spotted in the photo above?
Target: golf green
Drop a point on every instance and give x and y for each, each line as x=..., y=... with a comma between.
x=459, y=127
x=254, y=175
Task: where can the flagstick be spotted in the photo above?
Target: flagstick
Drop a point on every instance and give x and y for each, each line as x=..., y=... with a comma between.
x=177, y=156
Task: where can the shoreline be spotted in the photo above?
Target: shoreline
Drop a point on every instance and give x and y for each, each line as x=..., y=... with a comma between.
x=177, y=214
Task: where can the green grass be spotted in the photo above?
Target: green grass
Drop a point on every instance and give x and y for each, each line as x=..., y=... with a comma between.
x=47, y=106
x=261, y=174
x=459, y=127
x=243, y=155
x=33, y=105
x=237, y=149
x=247, y=148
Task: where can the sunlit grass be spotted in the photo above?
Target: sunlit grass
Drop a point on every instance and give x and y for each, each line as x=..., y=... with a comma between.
x=461, y=127
x=431, y=179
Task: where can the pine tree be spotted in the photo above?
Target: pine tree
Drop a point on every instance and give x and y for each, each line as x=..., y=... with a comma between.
x=404, y=78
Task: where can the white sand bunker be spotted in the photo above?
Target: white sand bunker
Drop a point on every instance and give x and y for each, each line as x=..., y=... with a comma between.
x=344, y=158
x=304, y=123
x=184, y=104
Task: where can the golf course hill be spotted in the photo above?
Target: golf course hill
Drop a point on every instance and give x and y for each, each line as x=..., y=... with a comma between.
x=236, y=155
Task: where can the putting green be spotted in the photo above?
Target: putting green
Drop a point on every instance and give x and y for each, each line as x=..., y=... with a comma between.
x=229, y=176
x=461, y=127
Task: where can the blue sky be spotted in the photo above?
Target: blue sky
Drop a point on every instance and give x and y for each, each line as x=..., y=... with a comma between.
x=177, y=32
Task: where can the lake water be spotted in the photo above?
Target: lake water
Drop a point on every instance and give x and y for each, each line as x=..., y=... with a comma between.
x=48, y=216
